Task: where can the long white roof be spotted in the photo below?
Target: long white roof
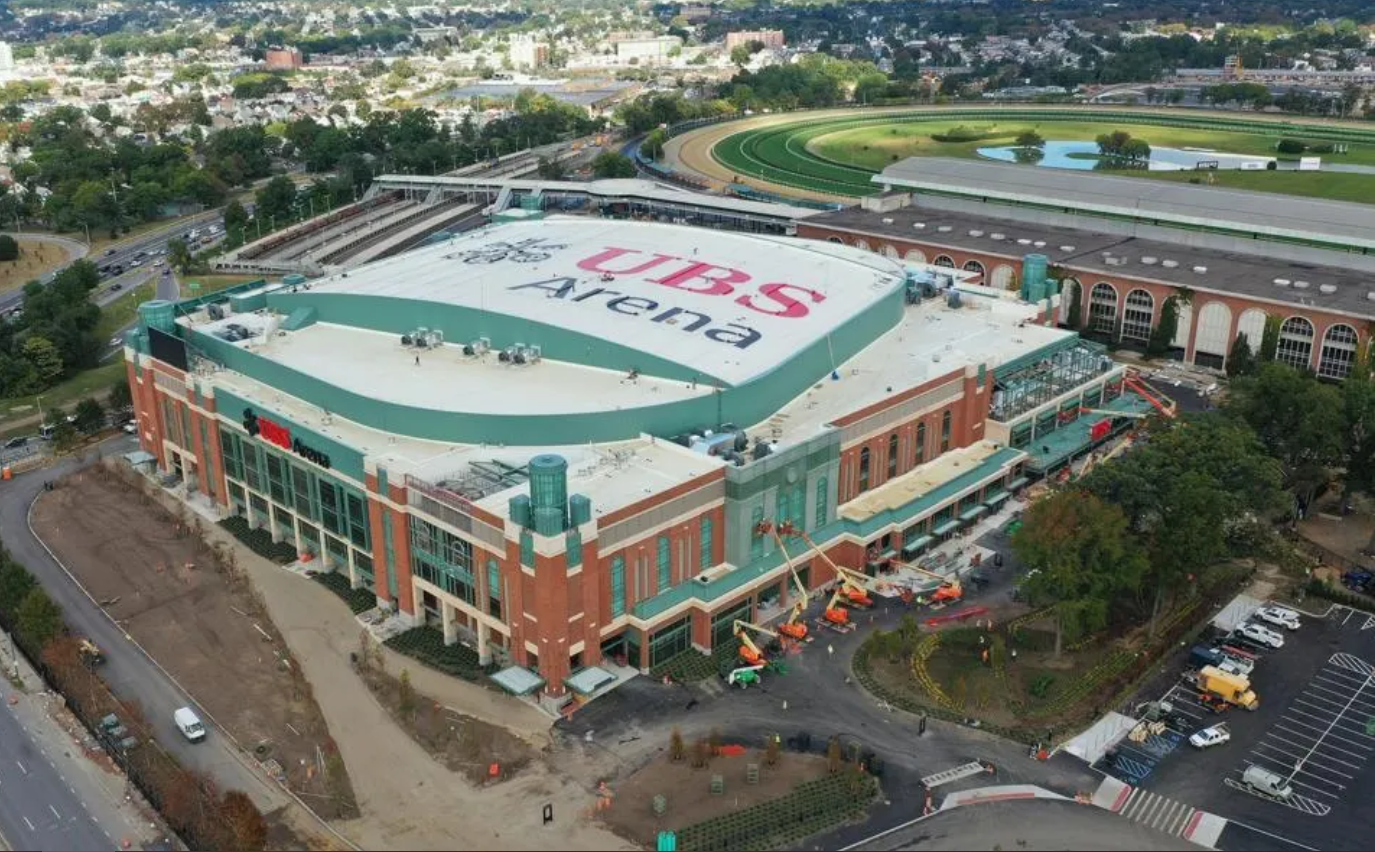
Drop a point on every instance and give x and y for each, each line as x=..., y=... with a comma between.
x=734, y=306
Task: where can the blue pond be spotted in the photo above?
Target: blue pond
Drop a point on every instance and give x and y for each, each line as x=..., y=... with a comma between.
x=1057, y=155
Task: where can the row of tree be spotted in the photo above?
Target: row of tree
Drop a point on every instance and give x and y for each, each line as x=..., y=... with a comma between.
x=192, y=806
x=1115, y=546
x=54, y=337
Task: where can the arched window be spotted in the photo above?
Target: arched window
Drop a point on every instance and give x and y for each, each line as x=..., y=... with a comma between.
x=1296, y=343
x=1338, y=352
x=861, y=244
x=944, y=260
x=892, y=455
x=864, y=469
x=889, y=251
x=1103, y=308
x=977, y=268
x=837, y=240
x=915, y=255
x=1136, y=316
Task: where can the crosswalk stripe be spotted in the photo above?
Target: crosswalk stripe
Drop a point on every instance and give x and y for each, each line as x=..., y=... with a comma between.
x=1157, y=812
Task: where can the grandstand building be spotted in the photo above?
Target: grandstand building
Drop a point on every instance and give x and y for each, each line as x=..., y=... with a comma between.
x=557, y=441
x=1121, y=247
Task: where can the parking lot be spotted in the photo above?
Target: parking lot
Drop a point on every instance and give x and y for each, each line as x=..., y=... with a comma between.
x=1314, y=727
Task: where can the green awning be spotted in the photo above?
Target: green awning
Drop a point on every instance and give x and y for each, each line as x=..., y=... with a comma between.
x=946, y=527
x=993, y=501
x=518, y=680
x=890, y=553
x=914, y=546
x=1017, y=483
x=973, y=512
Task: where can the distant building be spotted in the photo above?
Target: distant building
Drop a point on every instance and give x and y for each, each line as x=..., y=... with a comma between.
x=284, y=59
x=695, y=13
x=648, y=50
x=433, y=34
x=771, y=39
x=1232, y=68
x=527, y=52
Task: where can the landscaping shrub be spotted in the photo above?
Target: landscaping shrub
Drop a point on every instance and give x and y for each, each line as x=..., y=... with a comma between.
x=971, y=134
x=1041, y=685
x=260, y=541
x=426, y=644
x=811, y=807
x=1024, y=639
x=359, y=600
x=1290, y=146
x=1319, y=589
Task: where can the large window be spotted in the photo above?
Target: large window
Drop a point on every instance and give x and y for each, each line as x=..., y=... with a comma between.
x=276, y=480
x=670, y=642
x=1338, y=352
x=665, y=563
x=1296, y=343
x=1103, y=308
x=892, y=455
x=442, y=558
x=305, y=501
x=756, y=538
x=945, y=431
x=1137, y=316
x=792, y=505
x=864, y=469
x=921, y=443
x=822, y=498
x=493, y=588
x=707, y=541
x=617, y=586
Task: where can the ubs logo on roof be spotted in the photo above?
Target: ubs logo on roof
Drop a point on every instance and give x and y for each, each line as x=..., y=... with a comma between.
x=532, y=250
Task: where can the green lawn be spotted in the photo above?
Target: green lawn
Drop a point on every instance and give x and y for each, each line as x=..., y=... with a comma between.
x=123, y=310
x=876, y=146
x=24, y=410
x=1330, y=185
x=211, y=283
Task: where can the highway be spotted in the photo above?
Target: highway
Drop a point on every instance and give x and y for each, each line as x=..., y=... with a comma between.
x=128, y=670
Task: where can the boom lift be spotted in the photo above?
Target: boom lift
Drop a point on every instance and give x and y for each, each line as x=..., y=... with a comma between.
x=950, y=591
x=853, y=588
x=749, y=652
x=794, y=627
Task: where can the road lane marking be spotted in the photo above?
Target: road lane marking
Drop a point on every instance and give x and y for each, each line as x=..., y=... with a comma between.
x=29, y=824
x=54, y=810
x=21, y=768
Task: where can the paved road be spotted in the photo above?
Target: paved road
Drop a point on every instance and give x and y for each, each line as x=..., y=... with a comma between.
x=130, y=672
x=38, y=810
x=75, y=249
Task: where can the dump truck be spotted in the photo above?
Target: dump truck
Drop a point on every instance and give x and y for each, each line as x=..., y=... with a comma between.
x=1235, y=689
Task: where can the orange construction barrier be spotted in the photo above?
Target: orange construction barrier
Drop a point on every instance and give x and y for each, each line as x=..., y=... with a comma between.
x=6, y=474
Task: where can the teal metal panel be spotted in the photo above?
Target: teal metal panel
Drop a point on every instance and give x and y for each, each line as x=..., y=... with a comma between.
x=345, y=460
x=187, y=306
x=299, y=319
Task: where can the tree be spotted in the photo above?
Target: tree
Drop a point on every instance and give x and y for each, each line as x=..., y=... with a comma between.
x=64, y=435
x=276, y=199
x=1162, y=336
x=1075, y=317
x=1270, y=339
x=38, y=619
x=676, y=749
x=834, y=756
x=611, y=164
x=235, y=220
x=90, y=417
x=1081, y=558
x=1300, y=421
x=15, y=583
x=653, y=145
x=42, y=356
x=771, y=750
x=1241, y=361
x=740, y=55
x=1030, y=139
x=405, y=694
x=179, y=254
x=9, y=248
x=120, y=397
x=550, y=169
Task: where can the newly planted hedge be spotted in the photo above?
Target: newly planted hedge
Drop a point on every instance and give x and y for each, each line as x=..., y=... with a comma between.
x=260, y=541
x=426, y=644
x=811, y=808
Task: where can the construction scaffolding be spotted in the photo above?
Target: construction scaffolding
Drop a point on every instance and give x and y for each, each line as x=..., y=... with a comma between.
x=1030, y=386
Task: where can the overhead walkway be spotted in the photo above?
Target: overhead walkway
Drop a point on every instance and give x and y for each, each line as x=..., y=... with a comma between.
x=1053, y=449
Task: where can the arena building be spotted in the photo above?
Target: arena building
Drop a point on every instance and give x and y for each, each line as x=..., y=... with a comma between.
x=1233, y=261
x=557, y=440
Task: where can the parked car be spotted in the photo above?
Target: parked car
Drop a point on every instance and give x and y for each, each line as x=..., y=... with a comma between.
x=16, y=443
x=1261, y=635
x=189, y=724
x=1279, y=617
x=131, y=427
x=1209, y=737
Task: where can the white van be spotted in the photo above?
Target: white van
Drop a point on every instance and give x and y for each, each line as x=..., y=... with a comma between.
x=189, y=724
x=1266, y=782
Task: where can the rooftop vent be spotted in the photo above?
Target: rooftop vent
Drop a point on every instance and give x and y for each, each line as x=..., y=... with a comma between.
x=1370, y=296
x=1066, y=248
x=1200, y=269
x=1023, y=241
x=976, y=233
x=1040, y=244
x=1282, y=282
x=944, y=229
x=1169, y=264
x=1150, y=260
x=1329, y=289
x=918, y=225
x=997, y=236
x=887, y=220
x=1301, y=285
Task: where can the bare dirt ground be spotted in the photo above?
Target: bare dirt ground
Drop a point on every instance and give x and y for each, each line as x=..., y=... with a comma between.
x=35, y=258
x=688, y=791
x=197, y=616
x=484, y=753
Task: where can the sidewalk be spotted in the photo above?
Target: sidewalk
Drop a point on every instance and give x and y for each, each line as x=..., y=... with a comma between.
x=112, y=803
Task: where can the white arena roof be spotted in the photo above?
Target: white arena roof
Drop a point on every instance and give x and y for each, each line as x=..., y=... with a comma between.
x=734, y=306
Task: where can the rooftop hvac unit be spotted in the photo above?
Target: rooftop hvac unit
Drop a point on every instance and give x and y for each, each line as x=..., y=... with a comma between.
x=433, y=338
x=406, y=340
x=215, y=311
x=508, y=355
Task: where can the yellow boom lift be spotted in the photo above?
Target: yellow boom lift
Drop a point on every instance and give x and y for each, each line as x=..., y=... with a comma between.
x=853, y=589
x=794, y=627
x=750, y=652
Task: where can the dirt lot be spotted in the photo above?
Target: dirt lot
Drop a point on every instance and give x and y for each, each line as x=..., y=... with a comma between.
x=195, y=613
x=459, y=741
x=689, y=795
